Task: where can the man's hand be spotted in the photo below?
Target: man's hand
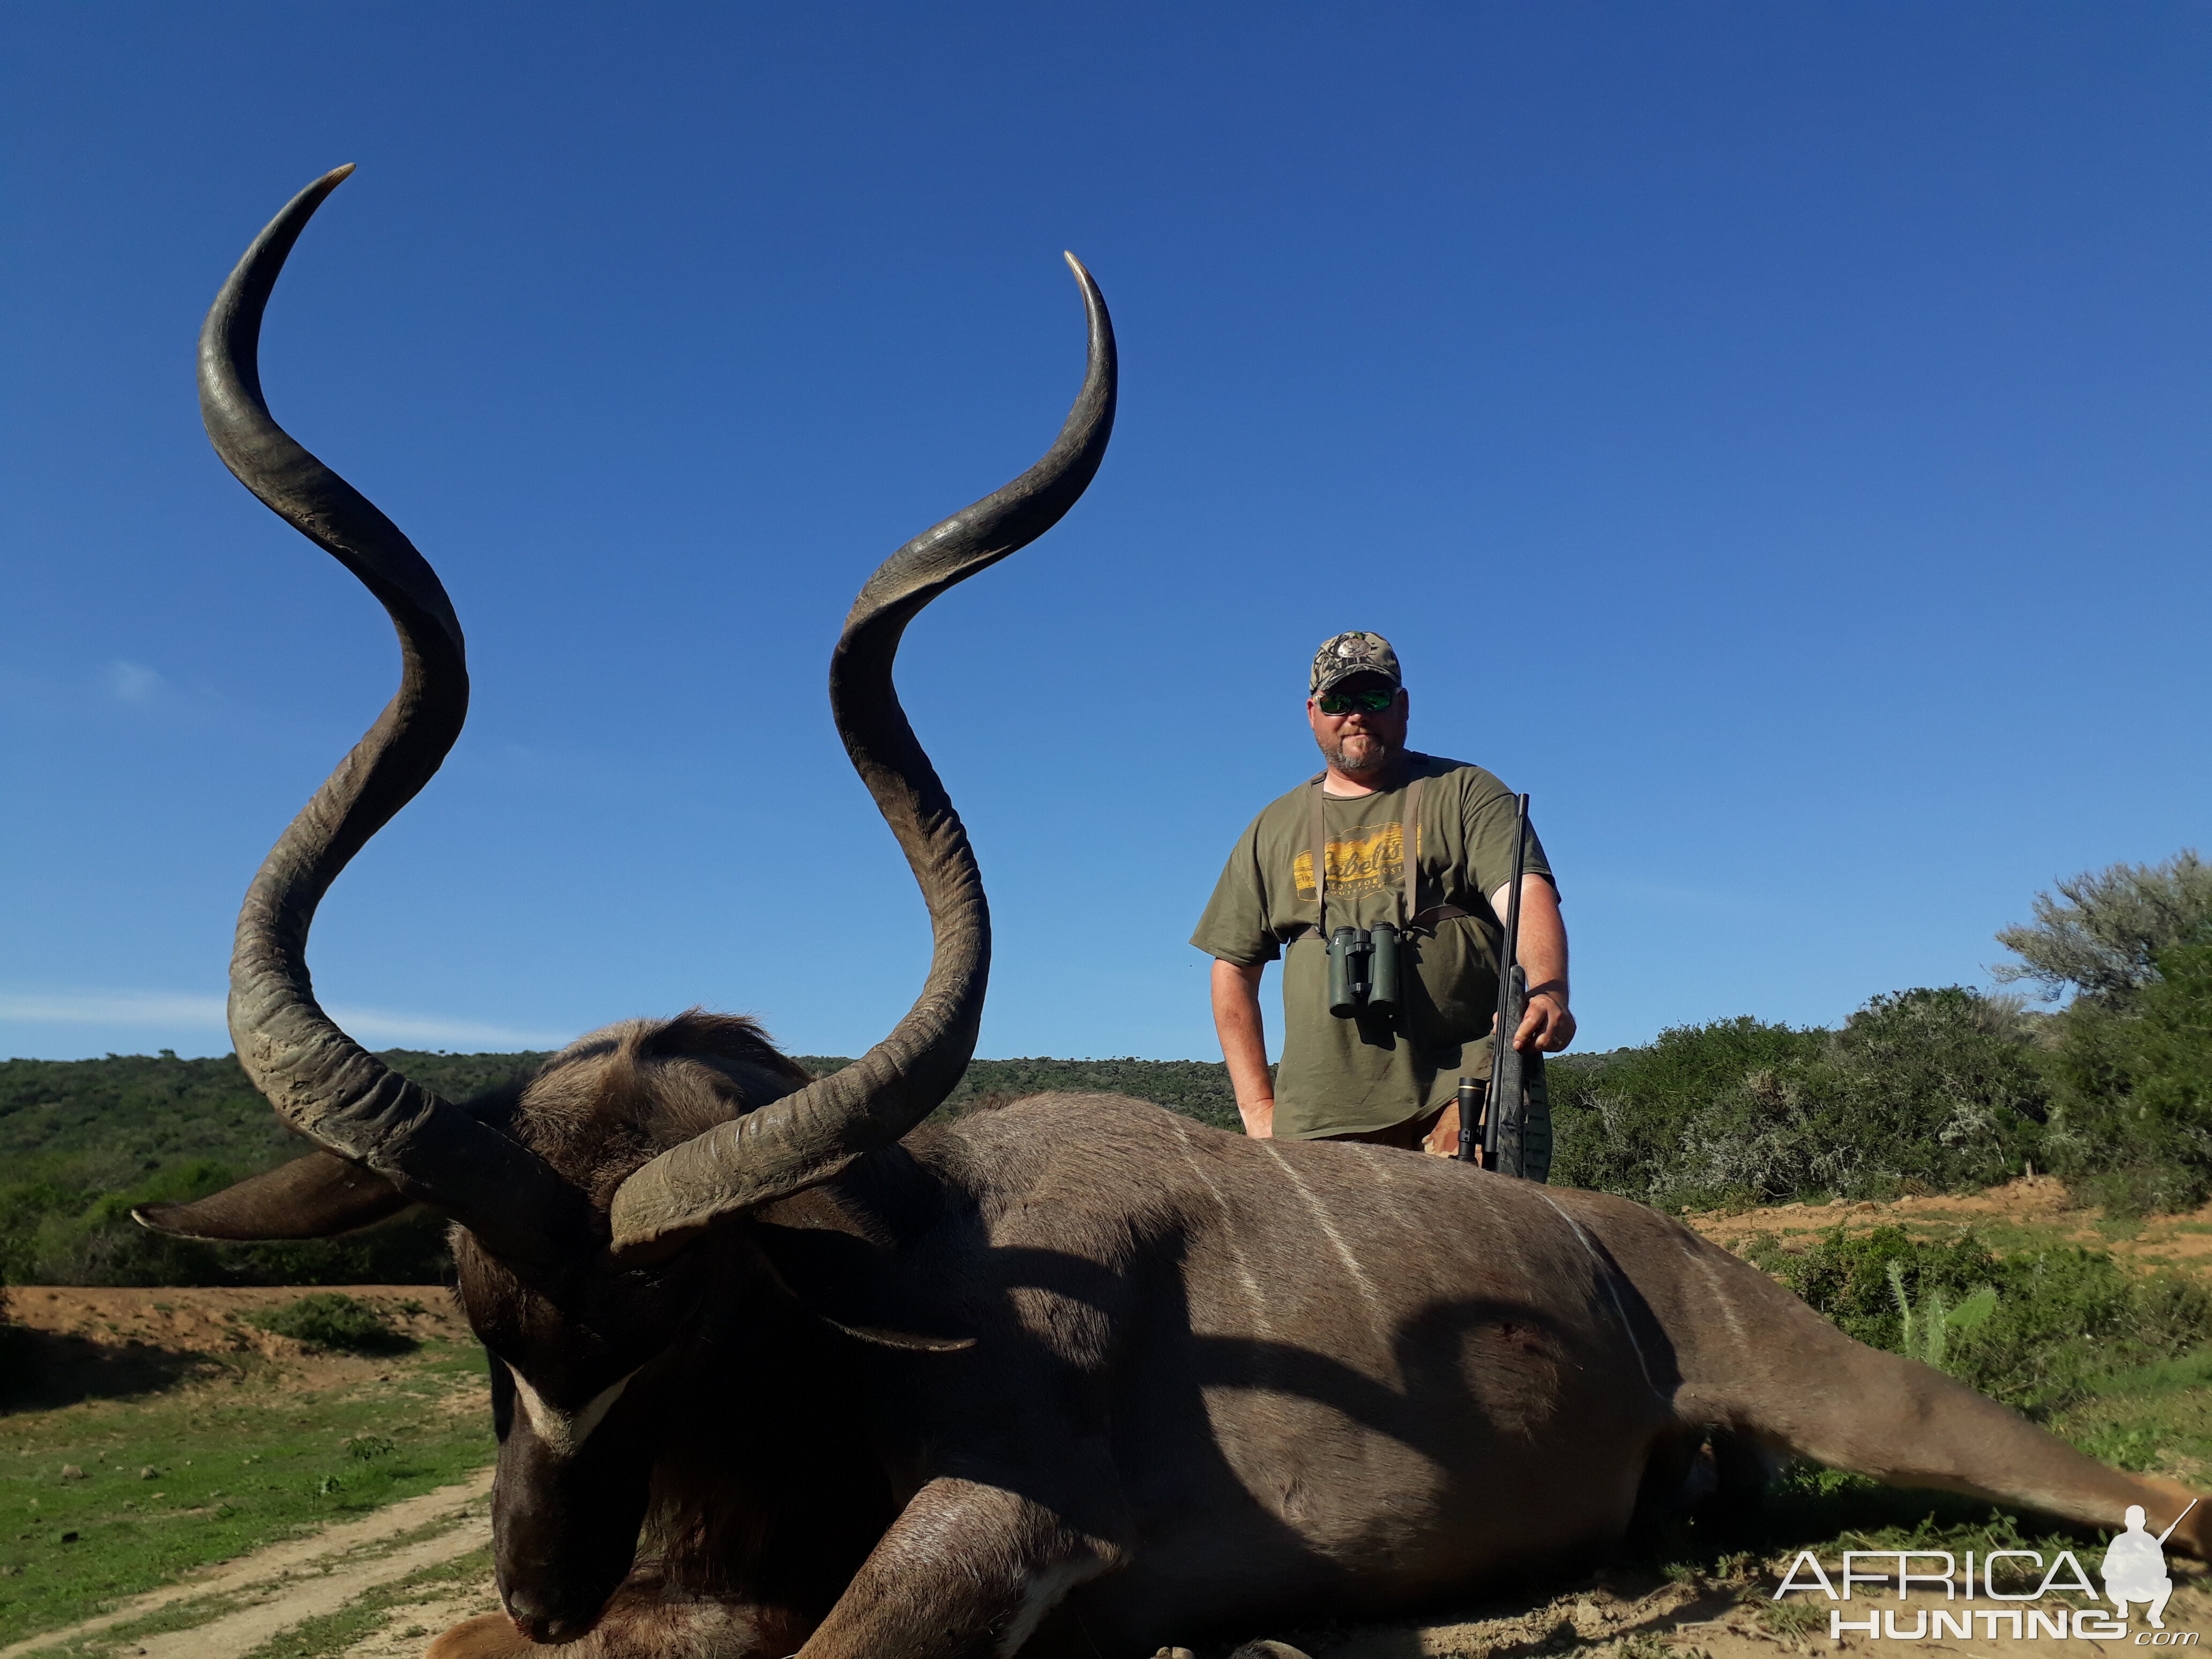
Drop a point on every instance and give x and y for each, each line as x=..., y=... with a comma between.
x=1545, y=1025
x=1244, y=1044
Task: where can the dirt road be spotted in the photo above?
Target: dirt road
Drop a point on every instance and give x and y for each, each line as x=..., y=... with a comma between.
x=246, y=1602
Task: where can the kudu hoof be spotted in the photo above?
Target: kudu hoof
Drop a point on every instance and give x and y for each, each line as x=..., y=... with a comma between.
x=488, y=1636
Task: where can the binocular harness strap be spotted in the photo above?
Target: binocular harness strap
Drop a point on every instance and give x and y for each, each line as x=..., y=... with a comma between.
x=1320, y=863
x=1409, y=855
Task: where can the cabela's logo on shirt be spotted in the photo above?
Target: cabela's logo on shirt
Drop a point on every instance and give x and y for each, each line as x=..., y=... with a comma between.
x=1369, y=857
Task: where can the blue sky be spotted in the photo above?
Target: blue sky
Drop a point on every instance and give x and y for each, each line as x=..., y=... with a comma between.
x=1773, y=435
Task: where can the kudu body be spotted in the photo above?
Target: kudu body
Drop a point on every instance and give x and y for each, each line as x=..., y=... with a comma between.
x=774, y=1371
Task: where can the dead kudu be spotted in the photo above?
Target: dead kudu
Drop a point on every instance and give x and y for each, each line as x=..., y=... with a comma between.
x=774, y=1370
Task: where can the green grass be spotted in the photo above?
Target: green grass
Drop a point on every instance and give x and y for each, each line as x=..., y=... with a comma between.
x=237, y=1466
x=192, y=1612
x=331, y=1634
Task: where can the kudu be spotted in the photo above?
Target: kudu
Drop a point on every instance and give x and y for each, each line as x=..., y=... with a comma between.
x=774, y=1371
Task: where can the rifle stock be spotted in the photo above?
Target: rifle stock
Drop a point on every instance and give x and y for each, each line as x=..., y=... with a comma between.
x=1501, y=1136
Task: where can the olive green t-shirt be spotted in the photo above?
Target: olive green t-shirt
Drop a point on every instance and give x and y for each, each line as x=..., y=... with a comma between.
x=1342, y=1076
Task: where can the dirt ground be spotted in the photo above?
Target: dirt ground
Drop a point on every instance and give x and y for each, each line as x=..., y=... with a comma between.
x=165, y=1333
x=109, y=1341
x=2040, y=1201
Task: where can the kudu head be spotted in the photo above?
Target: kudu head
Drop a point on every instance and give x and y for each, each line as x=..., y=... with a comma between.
x=592, y=1205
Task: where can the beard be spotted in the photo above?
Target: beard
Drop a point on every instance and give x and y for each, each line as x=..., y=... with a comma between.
x=1357, y=752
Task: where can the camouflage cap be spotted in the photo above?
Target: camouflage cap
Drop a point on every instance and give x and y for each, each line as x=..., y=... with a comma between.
x=1343, y=655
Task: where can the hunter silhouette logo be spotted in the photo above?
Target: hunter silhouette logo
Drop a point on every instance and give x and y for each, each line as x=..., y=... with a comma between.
x=2134, y=1572
x=2134, y=1566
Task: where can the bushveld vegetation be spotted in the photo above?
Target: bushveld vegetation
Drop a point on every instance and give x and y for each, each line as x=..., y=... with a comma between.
x=82, y=1141
x=2033, y=1328
x=1939, y=1090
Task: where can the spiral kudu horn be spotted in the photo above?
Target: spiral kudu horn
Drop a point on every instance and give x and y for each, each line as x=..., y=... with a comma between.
x=322, y=1082
x=807, y=1137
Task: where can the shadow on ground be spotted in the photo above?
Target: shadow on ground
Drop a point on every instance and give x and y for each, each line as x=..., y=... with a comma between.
x=42, y=1370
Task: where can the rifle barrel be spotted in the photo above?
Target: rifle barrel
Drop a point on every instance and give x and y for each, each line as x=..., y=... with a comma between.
x=2177, y=1520
x=1505, y=1074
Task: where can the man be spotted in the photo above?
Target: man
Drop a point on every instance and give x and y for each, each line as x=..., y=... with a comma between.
x=1386, y=1077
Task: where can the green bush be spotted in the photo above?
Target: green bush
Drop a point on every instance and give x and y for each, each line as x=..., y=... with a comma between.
x=2133, y=1120
x=332, y=1320
x=2047, y=1321
x=1930, y=1090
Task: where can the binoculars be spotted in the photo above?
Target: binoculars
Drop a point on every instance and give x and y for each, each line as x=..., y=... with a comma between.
x=1363, y=971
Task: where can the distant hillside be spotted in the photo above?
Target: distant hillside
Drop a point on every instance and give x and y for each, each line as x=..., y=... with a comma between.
x=82, y=1141
x=106, y=1123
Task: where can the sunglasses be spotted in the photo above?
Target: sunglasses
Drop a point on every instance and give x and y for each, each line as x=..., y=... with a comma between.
x=1346, y=702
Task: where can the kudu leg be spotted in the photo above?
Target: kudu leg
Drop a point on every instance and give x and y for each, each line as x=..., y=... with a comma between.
x=967, y=1570
x=1812, y=1391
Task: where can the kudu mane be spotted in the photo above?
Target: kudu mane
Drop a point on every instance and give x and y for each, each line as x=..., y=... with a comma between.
x=614, y=1099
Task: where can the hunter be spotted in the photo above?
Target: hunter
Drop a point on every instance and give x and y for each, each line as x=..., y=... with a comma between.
x=1389, y=1076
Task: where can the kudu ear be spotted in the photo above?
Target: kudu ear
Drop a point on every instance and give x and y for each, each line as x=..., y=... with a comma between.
x=317, y=1196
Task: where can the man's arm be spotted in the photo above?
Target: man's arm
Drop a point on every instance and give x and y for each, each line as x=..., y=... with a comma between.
x=1545, y=1025
x=1244, y=1044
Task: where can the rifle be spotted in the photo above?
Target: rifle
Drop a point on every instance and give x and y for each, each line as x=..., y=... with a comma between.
x=1500, y=1147
x=2168, y=1533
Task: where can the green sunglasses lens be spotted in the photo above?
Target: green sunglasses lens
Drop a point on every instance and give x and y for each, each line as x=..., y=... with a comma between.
x=1343, y=702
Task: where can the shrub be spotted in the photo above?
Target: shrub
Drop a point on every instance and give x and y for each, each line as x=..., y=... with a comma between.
x=2133, y=1122
x=1615, y=1125
x=332, y=1320
x=2047, y=1321
x=1930, y=1089
x=2103, y=932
